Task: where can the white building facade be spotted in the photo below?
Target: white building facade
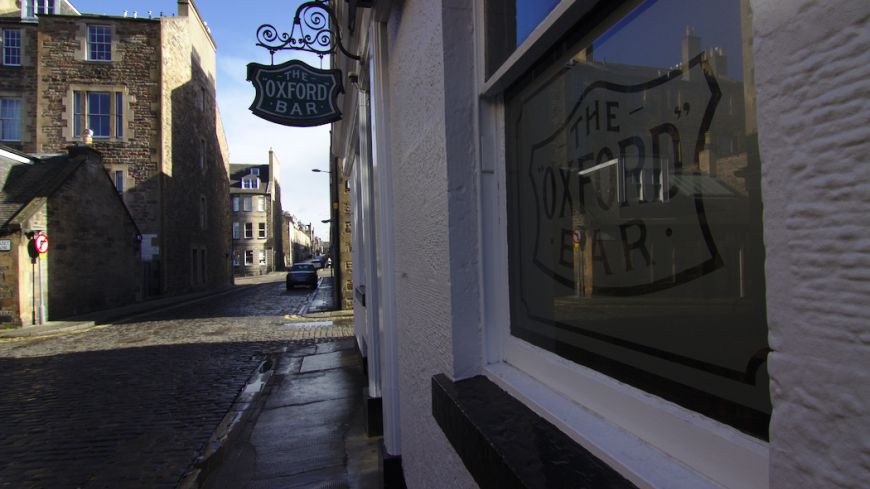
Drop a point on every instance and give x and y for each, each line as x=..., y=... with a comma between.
x=611, y=244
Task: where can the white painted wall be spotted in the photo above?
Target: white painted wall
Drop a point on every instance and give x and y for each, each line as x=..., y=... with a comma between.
x=427, y=203
x=812, y=72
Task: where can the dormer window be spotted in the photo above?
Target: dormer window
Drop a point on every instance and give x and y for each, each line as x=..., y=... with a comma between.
x=255, y=171
x=45, y=7
x=251, y=182
x=32, y=8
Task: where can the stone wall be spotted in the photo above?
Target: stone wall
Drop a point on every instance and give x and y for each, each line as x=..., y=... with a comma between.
x=135, y=70
x=20, y=82
x=345, y=240
x=195, y=162
x=93, y=260
x=10, y=307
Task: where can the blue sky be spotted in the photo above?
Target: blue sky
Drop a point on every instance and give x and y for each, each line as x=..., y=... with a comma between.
x=234, y=26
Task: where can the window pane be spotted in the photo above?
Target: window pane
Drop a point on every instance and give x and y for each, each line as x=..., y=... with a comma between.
x=12, y=47
x=98, y=114
x=119, y=115
x=78, y=114
x=508, y=24
x=10, y=119
x=100, y=43
x=119, y=181
x=635, y=209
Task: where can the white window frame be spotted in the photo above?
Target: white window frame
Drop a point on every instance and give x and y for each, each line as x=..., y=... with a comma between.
x=250, y=182
x=261, y=203
x=247, y=203
x=261, y=230
x=249, y=253
x=650, y=441
x=237, y=231
x=262, y=257
x=249, y=230
x=18, y=50
x=236, y=204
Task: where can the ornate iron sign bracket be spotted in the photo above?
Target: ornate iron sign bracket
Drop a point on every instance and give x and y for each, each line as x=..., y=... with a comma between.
x=315, y=30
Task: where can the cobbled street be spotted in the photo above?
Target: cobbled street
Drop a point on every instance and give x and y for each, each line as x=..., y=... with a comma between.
x=131, y=404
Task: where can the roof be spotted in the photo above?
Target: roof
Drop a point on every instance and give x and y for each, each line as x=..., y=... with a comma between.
x=24, y=182
x=24, y=178
x=239, y=171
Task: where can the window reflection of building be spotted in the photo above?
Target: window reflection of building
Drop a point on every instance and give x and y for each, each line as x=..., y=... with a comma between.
x=635, y=193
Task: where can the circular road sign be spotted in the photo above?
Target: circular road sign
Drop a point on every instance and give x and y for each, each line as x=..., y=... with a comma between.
x=41, y=242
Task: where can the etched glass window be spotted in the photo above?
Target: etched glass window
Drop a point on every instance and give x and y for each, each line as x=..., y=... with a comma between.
x=634, y=204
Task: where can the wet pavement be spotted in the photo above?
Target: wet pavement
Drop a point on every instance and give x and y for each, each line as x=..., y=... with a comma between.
x=133, y=403
x=309, y=431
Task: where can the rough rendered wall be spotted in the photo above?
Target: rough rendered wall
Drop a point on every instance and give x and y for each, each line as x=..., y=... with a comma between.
x=419, y=139
x=812, y=67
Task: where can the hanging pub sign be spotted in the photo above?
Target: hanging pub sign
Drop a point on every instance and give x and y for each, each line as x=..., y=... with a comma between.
x=295, y=94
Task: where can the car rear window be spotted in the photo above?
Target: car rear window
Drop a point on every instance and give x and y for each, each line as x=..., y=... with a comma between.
x=302, y=268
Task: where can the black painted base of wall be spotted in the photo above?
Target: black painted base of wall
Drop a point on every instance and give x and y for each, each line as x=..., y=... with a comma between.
x=374, y=414
x=505, y=445
x=394, y=476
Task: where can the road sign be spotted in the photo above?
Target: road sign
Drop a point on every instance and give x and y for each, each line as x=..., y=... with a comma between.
x=41, y=243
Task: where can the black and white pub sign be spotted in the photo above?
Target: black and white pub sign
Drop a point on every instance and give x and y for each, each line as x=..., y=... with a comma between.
x=295, y=94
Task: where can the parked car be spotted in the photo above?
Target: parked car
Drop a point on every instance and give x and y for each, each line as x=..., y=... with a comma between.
x=302, y=274
x=315, y=262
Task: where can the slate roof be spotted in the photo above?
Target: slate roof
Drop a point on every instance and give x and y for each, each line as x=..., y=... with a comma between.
x=21, y=183
x=238, y=171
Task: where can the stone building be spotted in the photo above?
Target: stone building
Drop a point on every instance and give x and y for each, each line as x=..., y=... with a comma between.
x=611, y=243
x=142, y=91
x=298, y=242
x=93, y=259
x=258, y=238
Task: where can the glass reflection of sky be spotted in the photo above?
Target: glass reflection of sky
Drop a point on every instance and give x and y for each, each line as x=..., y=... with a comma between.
x=530, y=13
x=646, y=37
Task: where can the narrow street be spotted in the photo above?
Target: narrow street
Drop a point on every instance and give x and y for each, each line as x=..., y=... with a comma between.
x=131, y=404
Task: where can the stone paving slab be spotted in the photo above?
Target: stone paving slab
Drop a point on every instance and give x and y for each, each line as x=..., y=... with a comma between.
x=132, y=404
